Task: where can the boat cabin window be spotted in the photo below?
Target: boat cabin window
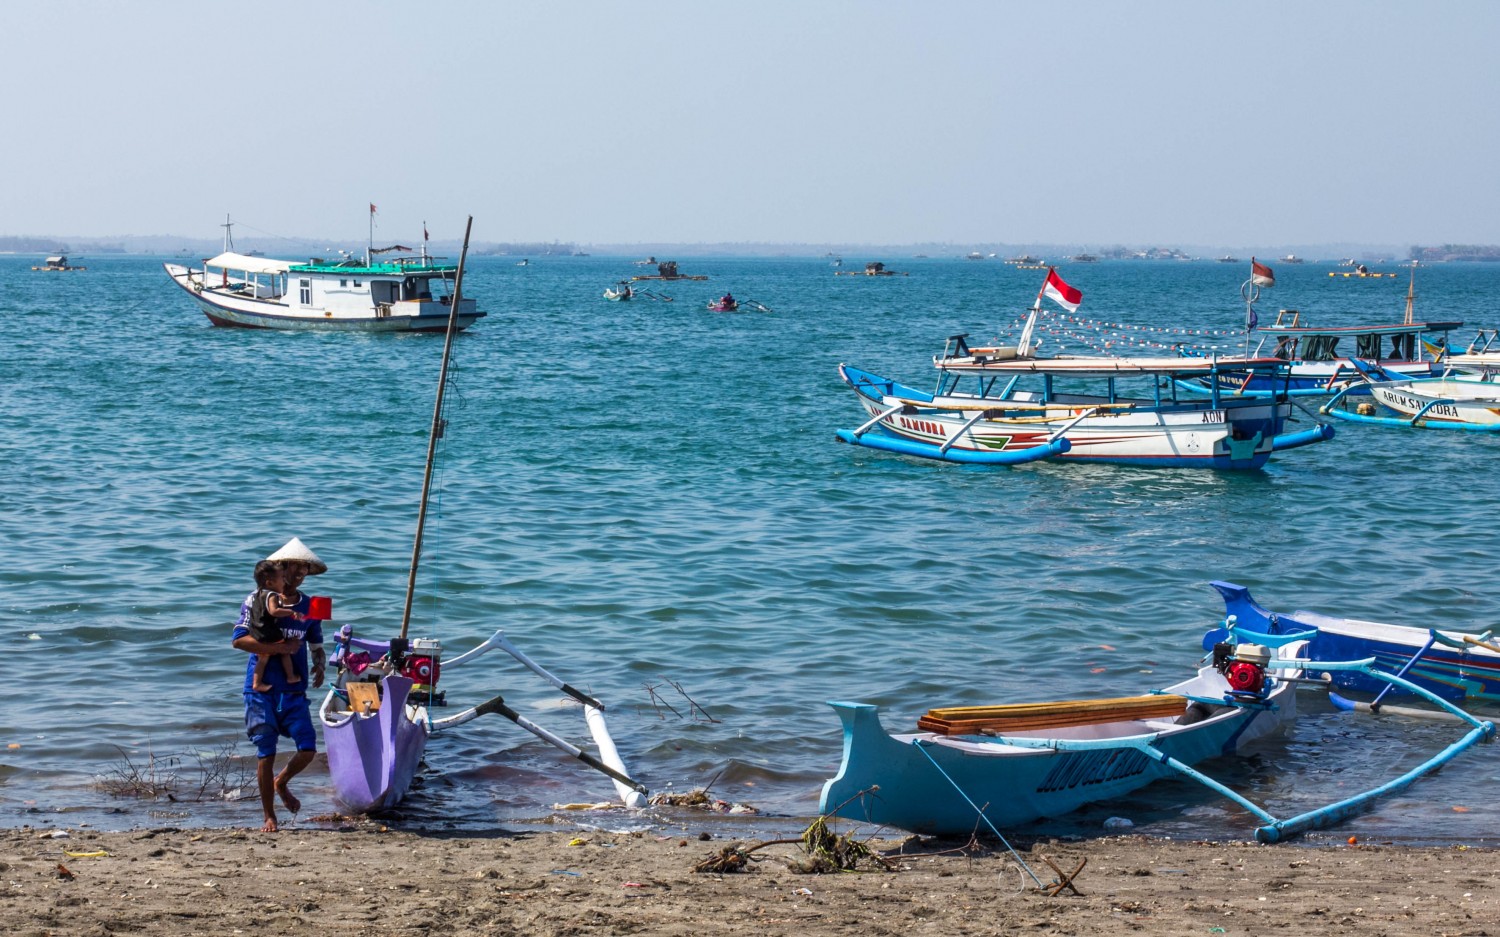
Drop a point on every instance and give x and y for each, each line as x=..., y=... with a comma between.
x=1320, y=348
x=1367, y=346
x=1404, y=346
x=1286, y=348
x=304, y=290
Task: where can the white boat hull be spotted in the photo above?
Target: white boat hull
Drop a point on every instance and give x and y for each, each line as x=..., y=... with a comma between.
x=1457, y=401
x=233, y=304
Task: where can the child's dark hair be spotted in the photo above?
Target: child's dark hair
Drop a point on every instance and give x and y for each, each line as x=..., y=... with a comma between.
x=263, y=571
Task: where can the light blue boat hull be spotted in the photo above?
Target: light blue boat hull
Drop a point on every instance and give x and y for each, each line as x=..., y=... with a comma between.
x=927, y=782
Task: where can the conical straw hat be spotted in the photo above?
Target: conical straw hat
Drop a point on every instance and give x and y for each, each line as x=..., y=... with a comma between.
x=295, y=549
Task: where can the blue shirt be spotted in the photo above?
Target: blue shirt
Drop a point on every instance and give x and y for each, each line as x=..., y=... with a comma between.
x=310, y=631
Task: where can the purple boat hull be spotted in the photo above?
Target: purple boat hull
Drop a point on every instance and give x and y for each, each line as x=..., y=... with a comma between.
x=372, y=759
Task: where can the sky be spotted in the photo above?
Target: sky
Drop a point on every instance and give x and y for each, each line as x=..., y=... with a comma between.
x=812, y=121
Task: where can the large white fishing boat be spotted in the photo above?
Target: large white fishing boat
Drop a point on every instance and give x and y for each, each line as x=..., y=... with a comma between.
x=402, y=294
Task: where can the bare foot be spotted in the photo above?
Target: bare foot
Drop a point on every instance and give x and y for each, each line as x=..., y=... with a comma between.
x=269, y=826
x=261, y=688
x=287, y=798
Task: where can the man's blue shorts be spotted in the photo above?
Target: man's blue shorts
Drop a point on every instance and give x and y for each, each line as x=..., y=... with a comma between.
x=271, y=715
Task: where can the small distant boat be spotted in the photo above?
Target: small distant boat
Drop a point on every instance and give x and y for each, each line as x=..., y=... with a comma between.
x=1226, y=259
x=1084, y=259
x=1361, y=272
x=55, y=263
x=1291, y=259
x=723, y=305
x=1025, y=259
x=619, y=293
x=667, y=270
x=974, y=255
x=523, y=262
x=874, y=268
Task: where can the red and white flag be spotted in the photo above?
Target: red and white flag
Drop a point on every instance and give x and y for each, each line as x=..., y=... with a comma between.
x=372, y=208
x=1260, y=274
x=1061, y=293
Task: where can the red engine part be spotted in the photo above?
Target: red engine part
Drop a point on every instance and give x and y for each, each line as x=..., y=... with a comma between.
x=1245, y=677
x=423, y=671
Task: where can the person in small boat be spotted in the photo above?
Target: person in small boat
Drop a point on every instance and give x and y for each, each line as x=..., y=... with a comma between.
x=727, y=302
x=267, y=608
x=283, y=710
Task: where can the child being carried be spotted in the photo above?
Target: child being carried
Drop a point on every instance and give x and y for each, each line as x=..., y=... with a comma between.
x=266, y=613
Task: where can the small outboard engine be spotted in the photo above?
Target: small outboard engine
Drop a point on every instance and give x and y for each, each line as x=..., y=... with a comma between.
x=1243, y=666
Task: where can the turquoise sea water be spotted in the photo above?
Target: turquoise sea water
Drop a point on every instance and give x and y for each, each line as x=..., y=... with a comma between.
x=645, y=492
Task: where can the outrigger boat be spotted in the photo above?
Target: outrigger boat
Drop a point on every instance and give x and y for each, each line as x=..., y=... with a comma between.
x=1003, y=422
x=621, y=292
x=1454, y=665
x=1482, y=355
x=998, y=767
x=1449, y=402
x=377, y=715
x=1316, y=367
x=403, y=294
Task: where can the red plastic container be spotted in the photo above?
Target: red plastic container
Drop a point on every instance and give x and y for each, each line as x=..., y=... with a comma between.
x=319, y=607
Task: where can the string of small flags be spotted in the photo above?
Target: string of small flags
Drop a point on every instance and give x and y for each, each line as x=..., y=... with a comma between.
x=1101, y=336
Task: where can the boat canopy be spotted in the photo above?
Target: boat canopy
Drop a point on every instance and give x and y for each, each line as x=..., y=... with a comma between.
x=242, y=262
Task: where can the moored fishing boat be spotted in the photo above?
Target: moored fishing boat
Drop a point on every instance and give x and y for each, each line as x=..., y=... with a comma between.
x=1073, y=410
x=1317, y=367
x=1448, y=402
x=403, y=294
x=1014, y=764
x=1452, y=664
x=377, y=714
x=996, y=767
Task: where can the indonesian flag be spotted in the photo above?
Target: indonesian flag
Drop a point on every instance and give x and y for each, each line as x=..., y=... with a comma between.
x=1260, y=274
x=1060, y=292
x=372, y=208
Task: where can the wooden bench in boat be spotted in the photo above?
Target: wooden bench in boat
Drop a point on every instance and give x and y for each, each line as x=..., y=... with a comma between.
x=988, y=720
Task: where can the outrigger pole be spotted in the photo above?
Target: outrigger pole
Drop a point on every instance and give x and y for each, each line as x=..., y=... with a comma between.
x=398, y=646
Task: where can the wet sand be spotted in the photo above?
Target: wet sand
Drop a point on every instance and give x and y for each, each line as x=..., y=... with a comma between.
x=369, y=880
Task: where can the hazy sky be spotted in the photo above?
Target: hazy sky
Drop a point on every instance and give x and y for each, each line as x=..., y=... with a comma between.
x=810, y=121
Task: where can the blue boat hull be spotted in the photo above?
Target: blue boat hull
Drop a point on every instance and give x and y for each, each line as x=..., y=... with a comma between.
x=1448, y=673
x=937, y=785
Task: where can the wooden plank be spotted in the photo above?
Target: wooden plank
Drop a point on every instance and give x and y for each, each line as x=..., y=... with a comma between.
x=974, y=720
x=364, y=697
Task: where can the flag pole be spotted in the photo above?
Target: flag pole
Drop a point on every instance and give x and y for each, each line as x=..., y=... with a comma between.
x=1023, y=345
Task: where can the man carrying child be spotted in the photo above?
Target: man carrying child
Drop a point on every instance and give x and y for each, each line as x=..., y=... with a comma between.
x=283, y=708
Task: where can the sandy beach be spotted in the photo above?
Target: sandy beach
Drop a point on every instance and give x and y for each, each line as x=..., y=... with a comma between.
x=370, y=880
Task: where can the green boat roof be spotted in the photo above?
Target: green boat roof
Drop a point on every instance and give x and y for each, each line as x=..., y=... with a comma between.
x=354, y=268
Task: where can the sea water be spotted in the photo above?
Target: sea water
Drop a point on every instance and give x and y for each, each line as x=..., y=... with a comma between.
x=648, y=498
